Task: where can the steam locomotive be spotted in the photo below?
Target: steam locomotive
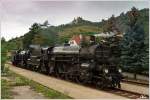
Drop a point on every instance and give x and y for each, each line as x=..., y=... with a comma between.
x=96, y=64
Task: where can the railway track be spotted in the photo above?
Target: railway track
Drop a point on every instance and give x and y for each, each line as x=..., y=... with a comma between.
x=128, y=94
x=136, y=82
x=124, y=93
x=120, y=92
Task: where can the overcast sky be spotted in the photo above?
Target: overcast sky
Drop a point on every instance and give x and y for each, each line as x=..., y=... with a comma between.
x=17, y=16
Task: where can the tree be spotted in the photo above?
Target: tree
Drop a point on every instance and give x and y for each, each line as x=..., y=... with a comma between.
x=3, y=40
x=3, y=56
x=35, y=29
x=39, y=40
x=104, y=26
x=3, y=53
x=133, y=46
x=46, y=23
x=19, y=44
x=110, y=25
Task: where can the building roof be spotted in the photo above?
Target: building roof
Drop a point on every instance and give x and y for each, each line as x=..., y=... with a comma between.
x=76, y=38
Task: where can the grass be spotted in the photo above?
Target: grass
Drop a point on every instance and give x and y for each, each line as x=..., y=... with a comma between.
x=19, y=80
x=5, y=89
x=48, y=92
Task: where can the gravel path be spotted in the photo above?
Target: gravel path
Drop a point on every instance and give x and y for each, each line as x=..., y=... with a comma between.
x=68, y=88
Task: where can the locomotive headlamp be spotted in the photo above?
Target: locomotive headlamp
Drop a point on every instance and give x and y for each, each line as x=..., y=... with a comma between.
x=106, y=70
x=119, y=70
x=22, y=52
x=85, y=65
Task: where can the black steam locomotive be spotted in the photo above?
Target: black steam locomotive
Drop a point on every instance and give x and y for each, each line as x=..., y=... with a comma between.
x=96, y=64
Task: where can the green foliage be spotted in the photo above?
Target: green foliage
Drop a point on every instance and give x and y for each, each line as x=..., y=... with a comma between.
x=63, y=39
x=67, y=33
x=80, y=30
x=110, y=25
x=50, y=35
x=3, y=53
x=5, y=90
x=35, y=28
x=88, y=33
x=3, y=40
x=98, y=39
x=3, y=60
x=20, y=81
x=27, y=40
x=38, y=39
x=46, y=23
x=6, y=47
x=133, y=46
x=50, y=93
x=17, y=80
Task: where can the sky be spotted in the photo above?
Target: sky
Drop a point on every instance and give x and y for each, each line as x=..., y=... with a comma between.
x=17, y=16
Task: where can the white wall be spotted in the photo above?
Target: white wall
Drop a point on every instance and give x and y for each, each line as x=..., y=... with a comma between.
x=73, y=43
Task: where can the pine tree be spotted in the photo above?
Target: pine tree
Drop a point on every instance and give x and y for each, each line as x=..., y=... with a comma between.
x=133, y=47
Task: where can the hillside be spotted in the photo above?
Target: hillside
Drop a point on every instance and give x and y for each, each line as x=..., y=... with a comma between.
x=61, y=33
